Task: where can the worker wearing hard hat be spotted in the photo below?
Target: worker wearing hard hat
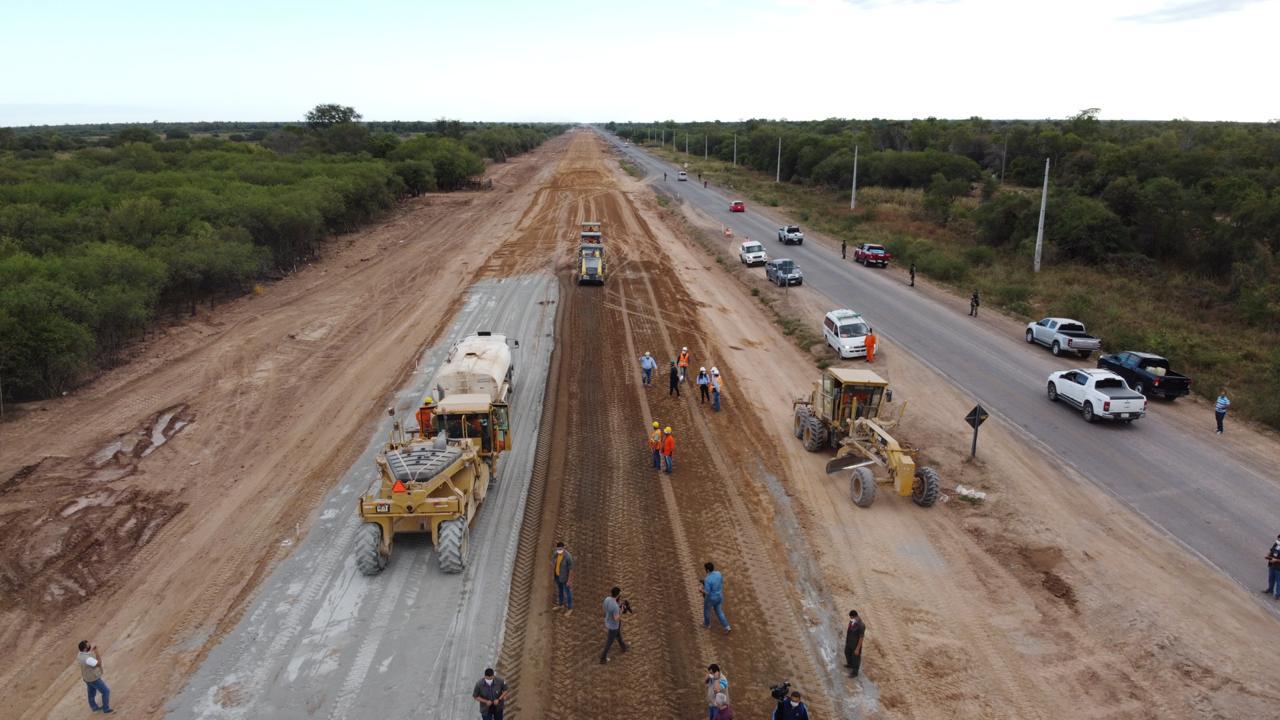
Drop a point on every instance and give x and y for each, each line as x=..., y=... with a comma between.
x=655, y=444
x=668, y=448
x=682, y=360
x=425, y=415
x=704, y=386
x=717, y=388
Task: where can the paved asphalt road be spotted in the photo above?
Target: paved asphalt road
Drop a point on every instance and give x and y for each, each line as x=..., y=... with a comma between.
x=1183, y=482
x=323, y=641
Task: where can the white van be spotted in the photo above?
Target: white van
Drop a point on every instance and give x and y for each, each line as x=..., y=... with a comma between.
x=682, y=176
x=846, y=333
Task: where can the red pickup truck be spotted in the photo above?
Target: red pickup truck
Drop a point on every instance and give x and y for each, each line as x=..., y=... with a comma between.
x=871, y=254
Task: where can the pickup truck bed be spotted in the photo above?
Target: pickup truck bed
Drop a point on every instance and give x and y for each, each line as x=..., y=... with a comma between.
x=1147, y=374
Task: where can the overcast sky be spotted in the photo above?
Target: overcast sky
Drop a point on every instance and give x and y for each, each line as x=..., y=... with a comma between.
x=91, y=61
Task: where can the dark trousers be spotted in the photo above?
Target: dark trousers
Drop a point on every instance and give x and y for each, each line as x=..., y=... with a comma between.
x=973, y=310
x=608, y=642
x=842, y=255
x=913, y=279
x=675, y=386
x=706, y=392
x=491, y=712
x=1220, y=416
x=853, y=661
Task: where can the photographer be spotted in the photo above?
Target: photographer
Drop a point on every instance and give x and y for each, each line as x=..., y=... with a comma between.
x=789, y=708
x=614, y=607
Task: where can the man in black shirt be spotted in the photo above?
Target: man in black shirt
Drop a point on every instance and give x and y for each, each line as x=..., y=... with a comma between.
x=853, y=643
x=491, y=693
x=1273, y=570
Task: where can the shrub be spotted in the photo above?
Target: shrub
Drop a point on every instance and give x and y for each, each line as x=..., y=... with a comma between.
x=980, y=256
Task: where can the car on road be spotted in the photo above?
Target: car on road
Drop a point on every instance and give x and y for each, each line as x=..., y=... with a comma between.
x=846, y=332
x=737, y=206
x=1147, y=374
x=1062, y=335
x=871, y=254
x=783, y=272
x=752, y=253
x=1098, y=394
x=682, y=176
x=790, y=235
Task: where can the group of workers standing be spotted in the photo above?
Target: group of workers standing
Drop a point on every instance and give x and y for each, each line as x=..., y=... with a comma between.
x=710, y=383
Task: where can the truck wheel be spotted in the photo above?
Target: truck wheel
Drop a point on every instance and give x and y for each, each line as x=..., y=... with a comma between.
x=1140, y=389
x=801, y=413
x=452, y=549
x=862, y=487
x=1087, y=412
x=1053, y=393
x=368, y=550
x=814, y=434
x=1031, y=337
x=924, y=491
x=1057, y=349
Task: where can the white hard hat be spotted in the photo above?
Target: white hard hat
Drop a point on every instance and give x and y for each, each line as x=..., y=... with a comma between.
x=684, y=349
x=715, y=371
x=702, y=369
x=646, y=353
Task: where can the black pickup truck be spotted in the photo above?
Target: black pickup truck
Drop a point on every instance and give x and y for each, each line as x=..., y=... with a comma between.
x=1147, y=374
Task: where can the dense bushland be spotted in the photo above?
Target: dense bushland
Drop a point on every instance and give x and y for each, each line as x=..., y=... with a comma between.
x=1163, y=236
x=100, y=232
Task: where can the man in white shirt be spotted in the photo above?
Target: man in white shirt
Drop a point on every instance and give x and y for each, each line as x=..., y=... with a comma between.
x=91, y=672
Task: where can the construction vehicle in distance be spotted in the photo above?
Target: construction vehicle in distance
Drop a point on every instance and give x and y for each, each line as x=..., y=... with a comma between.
x=844, y=412
x=433, y=479
x=591, y=264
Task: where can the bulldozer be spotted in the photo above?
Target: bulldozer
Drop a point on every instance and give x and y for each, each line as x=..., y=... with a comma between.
x=433, y=478
x=845, y=412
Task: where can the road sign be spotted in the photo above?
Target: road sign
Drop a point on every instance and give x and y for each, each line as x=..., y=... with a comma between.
x=976, y=416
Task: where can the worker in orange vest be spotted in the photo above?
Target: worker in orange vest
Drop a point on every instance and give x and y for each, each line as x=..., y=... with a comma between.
x=871, y=346
x=424, y=416
x=668, y=448
x=655, y=444
x=682, y=360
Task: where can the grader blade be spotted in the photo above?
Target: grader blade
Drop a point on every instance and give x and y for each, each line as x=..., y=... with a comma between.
x=846, y=462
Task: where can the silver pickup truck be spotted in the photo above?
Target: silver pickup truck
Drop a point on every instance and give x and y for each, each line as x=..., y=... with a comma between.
x=1063, y=335
x=790, y=235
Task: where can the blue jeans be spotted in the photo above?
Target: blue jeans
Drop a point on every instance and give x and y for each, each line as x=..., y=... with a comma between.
x=647, y=374
x=712, y=711
x=715, y=400
x=1273, y=581
x=657, y=459
x=564, y=594
x=666, y=461
x=708, y=605
x=95, y=687
x=1219, y=416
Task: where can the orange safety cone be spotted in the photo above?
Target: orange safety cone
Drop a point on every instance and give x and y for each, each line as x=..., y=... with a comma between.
x=398, y=487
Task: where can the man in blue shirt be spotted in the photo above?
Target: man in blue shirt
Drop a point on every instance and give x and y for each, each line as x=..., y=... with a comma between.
x=713, y=597
x=647, y=366
x=1220, y=408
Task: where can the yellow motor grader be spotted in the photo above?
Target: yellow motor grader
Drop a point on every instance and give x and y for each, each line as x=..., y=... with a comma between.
x=844, y=412
x=432, y=479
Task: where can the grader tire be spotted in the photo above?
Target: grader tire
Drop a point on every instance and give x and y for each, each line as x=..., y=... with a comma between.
x=815, y=434
x=368, y=552
x=925, y=490
x=801, y=414
x=862, y=487
x=451, y=550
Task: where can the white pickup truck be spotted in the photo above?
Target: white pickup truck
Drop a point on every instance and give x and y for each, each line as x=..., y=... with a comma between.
x=1063, y=335
x=1099, y=394
x=788, y=234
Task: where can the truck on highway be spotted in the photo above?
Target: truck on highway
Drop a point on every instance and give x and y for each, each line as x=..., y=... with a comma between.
x=432, y=479
x=1147, y=374
x=869, y=254
x=790, y=235
x=1098, y=394
x=1063, y=335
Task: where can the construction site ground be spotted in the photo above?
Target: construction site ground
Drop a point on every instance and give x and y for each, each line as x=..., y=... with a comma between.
x=146, y=511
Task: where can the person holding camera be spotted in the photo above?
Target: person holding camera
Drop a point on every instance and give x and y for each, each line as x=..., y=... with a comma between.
x=91, y=672
x=614, y=606
x=717, y=688
x=790, y=708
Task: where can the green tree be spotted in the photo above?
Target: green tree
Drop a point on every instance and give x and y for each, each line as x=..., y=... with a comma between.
x=323, y=116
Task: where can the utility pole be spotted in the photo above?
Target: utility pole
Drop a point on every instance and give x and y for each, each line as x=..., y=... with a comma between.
x=1044, y=199
x=777, y=178
x=686, y=143
x=1003, y=154
x=704, y=146
x=853, y=197
x=735, y=149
